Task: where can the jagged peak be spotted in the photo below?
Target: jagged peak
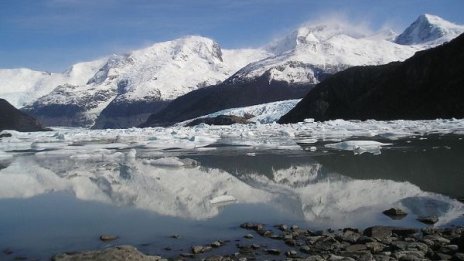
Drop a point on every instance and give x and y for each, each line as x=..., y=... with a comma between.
x=428, y=28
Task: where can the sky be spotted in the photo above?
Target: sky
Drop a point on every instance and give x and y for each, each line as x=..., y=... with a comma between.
x=51, y=35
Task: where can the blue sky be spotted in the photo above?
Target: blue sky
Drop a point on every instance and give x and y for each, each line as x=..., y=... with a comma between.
x=53, y=34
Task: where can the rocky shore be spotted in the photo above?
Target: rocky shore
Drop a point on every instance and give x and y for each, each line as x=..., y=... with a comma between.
x=285, y=242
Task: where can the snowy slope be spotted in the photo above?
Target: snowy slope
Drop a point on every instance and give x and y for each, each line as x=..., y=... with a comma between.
x=314, y=50
x=23, y=86
x=160, y=72
x=429, y=30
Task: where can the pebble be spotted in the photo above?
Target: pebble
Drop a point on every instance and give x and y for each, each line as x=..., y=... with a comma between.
x=108, y=237
x=429, y=220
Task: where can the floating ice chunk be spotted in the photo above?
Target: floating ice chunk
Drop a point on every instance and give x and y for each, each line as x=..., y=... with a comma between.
x=223, y=199
x=165, y=162
x=358, y=146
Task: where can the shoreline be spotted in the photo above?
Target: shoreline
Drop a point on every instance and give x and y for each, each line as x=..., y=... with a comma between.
x=279, y=242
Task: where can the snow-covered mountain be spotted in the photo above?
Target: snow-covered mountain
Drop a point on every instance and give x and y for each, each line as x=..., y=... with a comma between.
x=311, y=51
x=300, y=60
x=429, y=30
x=137, y=83
x=123, y=90
x=23, y=86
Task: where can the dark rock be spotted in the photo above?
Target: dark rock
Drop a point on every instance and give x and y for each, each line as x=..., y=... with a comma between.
x=375, y=247
x=314, y=258
x=378, y=232
x=430, y=220
x=5, y=135
x=273, y=251
x=356, y=247
x=189, y=255
x=255, y=246
x=441, y=256
x=219, y=120
x=248, y=236
x=358, y=255
x=14, y=119
x=115, y=253
x=306, y=250
x=200, y=249
x=252, y=226
x=108, y=237
x=409, y=255
x=385, y=232
x=175, y=236
x=459, y=241
x=7, y=251
x=458, y=257
x=395, y=213
x=282, y=227
x=426, y=86
x=216, y=244
x=292, y=254
x=449, y=249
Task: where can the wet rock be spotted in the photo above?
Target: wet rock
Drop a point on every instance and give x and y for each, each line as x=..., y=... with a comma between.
x=449, y=249
x=175, y=236
x=437, y=240
x=459, y=241
x=356, y=247
x=216, y=244
x=119, y=253
x=358, y=255
x=200, y=249
x=7, y=251
x=395, y=213
x=409, y=255
x=306, y=250
x=273, y=251
x=108, y=237
x=375, y=247
x=429, y=220
x=441, y=256
x=189, y=255
x=248, y=236
x=255, y=246
x=382, y=232
x=291, y=254
x=458, y=257
x=282, y=227
x=252, y=226
x=349, y=236
x=314, y=258
x=265, y=233
x=215, y=258
x=378, y=232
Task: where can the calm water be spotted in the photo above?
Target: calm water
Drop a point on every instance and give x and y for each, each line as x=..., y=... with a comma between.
x=57, y=200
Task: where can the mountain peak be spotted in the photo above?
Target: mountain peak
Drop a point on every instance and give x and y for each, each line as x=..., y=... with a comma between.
x=313, y=34
x=429, y=28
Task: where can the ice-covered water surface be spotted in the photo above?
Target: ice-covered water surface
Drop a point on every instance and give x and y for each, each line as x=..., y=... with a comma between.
x=70, y=185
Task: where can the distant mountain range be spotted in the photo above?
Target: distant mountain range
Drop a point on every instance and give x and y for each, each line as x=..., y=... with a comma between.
x=193, y=76
x=428, y=85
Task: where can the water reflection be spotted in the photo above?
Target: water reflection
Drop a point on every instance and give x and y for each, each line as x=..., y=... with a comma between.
x=304, y=187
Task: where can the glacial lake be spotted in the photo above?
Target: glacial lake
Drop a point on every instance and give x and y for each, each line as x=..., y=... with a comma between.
x=60, y=190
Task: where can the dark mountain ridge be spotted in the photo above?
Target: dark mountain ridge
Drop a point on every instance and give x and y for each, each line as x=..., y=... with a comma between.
x=13, y=119
x=428, y=85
